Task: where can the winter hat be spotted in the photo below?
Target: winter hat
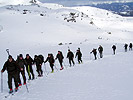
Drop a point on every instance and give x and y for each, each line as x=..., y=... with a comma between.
x=27, y=54
x=20, y=55
x=9, y=57
x=35, y=56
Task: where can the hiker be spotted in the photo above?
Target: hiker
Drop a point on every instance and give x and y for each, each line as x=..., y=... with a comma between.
x=38, y=63
x=60, y=58
x=11, y=67
x=125, y=46
x=21, y=63
x=130, y=46
x=114, y=49
x=70, y=56
x=94, y=51
x=51, y=61
x=79, y=55
x=100, y=49
x=29, y=69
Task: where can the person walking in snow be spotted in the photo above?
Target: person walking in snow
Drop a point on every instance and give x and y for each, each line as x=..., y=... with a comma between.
x=100, y=49
x=60, y=58
x=11, y=67
x=70, y=56
x=79, y=55
x=114, y=49
x=130, y=46
x=51, y=61
x=21, y=63
x=29, y=69
x=38, y=62
x=125, y=46
x=94, y=51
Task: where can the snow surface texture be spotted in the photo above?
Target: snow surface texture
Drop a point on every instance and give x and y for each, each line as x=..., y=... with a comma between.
x=40, y=28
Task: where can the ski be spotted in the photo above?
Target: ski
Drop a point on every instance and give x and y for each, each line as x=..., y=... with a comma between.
x=10, y=94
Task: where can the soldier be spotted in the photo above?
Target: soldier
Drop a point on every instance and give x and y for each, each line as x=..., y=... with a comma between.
x=70, y=56
x=94, y=51
x=60, y=58
x=100, y=49
x=29, y=69
x=79, y=55
x=125, y=46
x=21, y=63
x=114, y=49
x=51, y=61
x=11, y=67
x=38, y=63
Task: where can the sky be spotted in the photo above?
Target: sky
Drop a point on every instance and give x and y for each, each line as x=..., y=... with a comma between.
x=82, y=2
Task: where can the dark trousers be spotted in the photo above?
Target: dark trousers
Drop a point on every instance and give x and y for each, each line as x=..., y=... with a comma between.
x=114, y=52
x=130, y=48
x=39, y=70
x=52, y=65
x=101, y=54
x=95, y=55
x=60, y=61
x=79, y=60
x=30, y=71
x=71, y=60
x=23, y=75
x=10, y=77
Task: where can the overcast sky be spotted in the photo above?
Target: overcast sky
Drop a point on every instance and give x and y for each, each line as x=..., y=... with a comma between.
x=80, y=2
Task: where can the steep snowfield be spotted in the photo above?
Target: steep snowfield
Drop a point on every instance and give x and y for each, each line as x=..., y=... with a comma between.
x=39, y=28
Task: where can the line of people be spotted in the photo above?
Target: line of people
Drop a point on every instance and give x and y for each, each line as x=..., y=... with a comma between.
x=17, y=68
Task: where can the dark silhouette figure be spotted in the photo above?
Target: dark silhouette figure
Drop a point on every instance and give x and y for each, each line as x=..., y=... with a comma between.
x=11, y=67
x=79, y=55
x=130, y=46
x=51, y=61
x=100, y=49
x=125, y=46
x=114, y=49
x=70, y=56
x=94, y=51
x=60, y=58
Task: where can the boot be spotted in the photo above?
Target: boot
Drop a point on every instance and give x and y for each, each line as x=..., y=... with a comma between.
x=11, y=91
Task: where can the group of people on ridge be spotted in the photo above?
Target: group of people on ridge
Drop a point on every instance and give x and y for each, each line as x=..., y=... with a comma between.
x=17, y=67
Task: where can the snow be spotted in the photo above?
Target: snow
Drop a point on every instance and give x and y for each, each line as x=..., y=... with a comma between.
x=39, y=28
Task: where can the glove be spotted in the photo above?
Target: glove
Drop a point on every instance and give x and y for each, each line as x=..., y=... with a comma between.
x=2, y=71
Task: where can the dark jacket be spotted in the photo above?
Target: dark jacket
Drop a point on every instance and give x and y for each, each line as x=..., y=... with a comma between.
x=59, y=56
x=113, y=47
x=100, y=49
x=94, y=51
x=37, y=61
x=79, y=54
x=50, y=60
x=21, y=63
x=29, y=61
x=130, y=45
x=11, y=67
x=70, y=55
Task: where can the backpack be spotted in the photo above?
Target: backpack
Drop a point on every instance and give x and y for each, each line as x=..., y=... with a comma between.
x=41, y=57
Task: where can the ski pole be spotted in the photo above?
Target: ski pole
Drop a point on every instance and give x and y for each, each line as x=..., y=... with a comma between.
x=27, y=88
x=45, y=71
x=7, y=50
x=90, y=56
x=1, y=82
x=55, y=67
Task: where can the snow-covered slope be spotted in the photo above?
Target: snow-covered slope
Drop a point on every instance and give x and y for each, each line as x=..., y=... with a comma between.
x=40, y=28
